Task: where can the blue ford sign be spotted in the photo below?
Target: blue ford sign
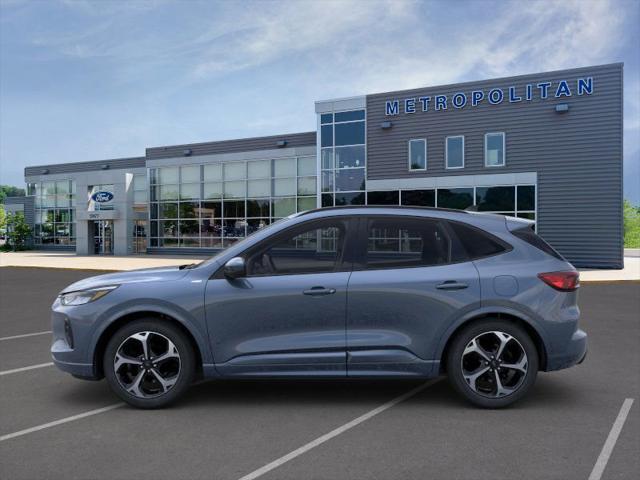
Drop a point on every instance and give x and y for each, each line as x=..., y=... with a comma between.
x=102, y=197
x=492, y=96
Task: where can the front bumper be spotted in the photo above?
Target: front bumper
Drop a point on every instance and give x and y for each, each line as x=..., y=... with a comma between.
x=68, y=349
x=573, y=354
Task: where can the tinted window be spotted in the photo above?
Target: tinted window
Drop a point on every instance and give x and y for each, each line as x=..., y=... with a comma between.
x=349, y=116
x=349, y=133
x=459, y=198
x=406, y=242
x=383, y=198
x=477, y=243
x=526, y=197
x=495, y=199
x=421, y=198
x=528, y=235
x=314, y=249
x=455, y=152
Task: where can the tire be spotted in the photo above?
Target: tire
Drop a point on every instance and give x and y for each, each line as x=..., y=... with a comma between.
x=149, y=384
x=473, y=351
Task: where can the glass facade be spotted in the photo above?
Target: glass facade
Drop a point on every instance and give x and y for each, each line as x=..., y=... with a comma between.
x=54, y=212
x=215, y=205
x=343, y=158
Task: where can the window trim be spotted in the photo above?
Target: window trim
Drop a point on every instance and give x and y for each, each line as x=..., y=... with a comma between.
x=446, y=149
x=504, y=149
x=409, y=154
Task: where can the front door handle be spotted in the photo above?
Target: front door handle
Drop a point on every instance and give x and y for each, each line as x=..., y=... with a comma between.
x=451, y=285
x=319, y=291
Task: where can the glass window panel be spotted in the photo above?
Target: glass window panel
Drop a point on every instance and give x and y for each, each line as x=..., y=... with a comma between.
x=420, y=198
x=153, y=175
x=189, y=191
x=306, y=186
x=327, y=200
x=190, y=174
x=259, y=169
x=213, y=172
x=350, y=157
x=49, y=188
x=349, y=133
x=326, y=133
x=154, y=193
x=284, y=186
x=233, y=208
x=306, y=203
x=139, y=183
x=494, y=149
x=49, y=201
x=458, y=198
x=153, y=210
x=350, y=179
x=211, y=242
x=356, y=198
x=62, y=187
x=211, y=228
x=140, y=196
x=383, y=198
x=210, y=210
x=283, y=207
x=168, y=175
x=326, y=118
x=327, y=158
x=526, y=197
x=306, y=166
x=455, y=152
x=284, y=167
x=213, y=190
x=169, y=192
x=258, y=208
x=168, y=228
x=259, y=188
x=349, y=116
x=235, y=170
x=235, y=189
x=528, y=215
x=62, y=201
x=417, y=154
x=495, y=199
x=189, y=228
x=190, y=242
x=256, y=224
x=189, y=209
x=327, y=181
x=168, y=242
x=234, y=227
x=167, y=210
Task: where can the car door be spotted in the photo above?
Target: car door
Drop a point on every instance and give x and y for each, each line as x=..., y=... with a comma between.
x=287, y=315
x=410, y=281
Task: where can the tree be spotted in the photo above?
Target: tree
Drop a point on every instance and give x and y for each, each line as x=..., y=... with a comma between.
x=18, y=231
x=10, y=191
x=631, y=225
x=3, y=218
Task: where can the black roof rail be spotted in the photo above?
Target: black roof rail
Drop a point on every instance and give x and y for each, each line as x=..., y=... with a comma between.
x=394, y=207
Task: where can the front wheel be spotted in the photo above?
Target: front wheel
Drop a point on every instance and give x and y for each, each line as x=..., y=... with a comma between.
x=149, y=363
x=492, y=363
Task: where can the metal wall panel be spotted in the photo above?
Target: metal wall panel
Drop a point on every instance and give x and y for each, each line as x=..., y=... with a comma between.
x=577, y=155
x=112, y=164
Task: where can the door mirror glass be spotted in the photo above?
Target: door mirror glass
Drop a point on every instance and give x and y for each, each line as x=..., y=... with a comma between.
x=235, y=268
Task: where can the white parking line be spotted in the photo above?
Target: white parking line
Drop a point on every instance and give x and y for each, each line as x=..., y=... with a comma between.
x=24, y=369
x=334, y=433
x=607, y=449
x=61, y=421
x=24, y=335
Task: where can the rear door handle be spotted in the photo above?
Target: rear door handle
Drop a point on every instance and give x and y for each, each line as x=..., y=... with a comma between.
x=319, y=291
x=452, y=285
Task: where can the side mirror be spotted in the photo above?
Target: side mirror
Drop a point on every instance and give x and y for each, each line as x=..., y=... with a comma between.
x=235, y=268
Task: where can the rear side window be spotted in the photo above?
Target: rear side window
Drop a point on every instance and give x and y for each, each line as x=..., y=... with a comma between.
x=528, y=235
x=401, y=242
x=477, y=243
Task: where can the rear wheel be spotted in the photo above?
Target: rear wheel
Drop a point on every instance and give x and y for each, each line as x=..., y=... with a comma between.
x=492, y=363
x=149, y=363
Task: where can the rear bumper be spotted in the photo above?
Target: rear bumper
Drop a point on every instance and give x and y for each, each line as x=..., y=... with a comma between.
x=573, y=354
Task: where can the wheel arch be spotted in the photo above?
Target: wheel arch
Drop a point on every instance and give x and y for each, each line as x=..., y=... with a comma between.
x=531, y=330
x=121, y=321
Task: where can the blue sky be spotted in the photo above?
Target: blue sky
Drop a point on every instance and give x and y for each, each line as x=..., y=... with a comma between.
x=88, y=80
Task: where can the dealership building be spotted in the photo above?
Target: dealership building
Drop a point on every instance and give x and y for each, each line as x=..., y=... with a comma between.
x=545, y=146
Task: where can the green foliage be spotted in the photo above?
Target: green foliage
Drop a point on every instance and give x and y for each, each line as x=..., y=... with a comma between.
x=9, y=191
x=631, y=225
x=18, y=231
x=3, y=218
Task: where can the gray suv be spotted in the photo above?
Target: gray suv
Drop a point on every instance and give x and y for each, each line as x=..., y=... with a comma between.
x=333, y=293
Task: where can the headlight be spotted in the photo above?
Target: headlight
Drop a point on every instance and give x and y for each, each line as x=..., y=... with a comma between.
x=85, y=296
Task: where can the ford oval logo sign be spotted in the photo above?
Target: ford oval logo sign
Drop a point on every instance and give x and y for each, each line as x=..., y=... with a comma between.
x=102, y=197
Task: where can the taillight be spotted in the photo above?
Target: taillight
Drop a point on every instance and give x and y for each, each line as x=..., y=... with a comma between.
x=563, y=281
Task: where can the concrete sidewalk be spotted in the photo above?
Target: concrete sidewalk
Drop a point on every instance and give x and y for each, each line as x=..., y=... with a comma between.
x=69, y=260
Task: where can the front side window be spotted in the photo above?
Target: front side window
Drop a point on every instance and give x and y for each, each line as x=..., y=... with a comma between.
x=314, y=248
x=494, y=150
x=406, y=242
x=455, y=152
x=418, y=154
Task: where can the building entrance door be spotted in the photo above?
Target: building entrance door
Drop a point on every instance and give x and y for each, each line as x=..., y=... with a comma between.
x=103, y=237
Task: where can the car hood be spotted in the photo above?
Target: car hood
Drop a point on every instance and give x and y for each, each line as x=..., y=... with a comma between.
x=160, y=274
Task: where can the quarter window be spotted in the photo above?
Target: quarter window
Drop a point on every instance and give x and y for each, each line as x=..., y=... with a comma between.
x=406, y=242
x=455, y=152
x=418, y=154
x=494, y=150
x=476, y=243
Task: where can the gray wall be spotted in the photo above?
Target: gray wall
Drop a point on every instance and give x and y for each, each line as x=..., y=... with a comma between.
x=79, y=167
x=577, y=155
